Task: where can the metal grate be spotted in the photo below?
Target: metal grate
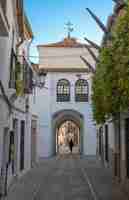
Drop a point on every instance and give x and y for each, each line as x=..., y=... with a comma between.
x=81, y=91
x=63, y=90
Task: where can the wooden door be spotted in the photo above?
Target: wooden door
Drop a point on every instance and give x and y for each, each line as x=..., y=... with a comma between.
x=106, y=144
x=22, y=143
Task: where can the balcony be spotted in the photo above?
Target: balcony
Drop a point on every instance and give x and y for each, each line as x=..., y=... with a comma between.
x=21, y=75
x=28, y=78
x=4, y=26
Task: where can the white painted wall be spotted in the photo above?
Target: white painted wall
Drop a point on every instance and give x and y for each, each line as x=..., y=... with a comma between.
x=20, y=102
x=46, y=106
x=64, y=57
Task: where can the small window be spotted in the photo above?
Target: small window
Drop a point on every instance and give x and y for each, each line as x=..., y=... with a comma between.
x=63, y=90
x=81, y=91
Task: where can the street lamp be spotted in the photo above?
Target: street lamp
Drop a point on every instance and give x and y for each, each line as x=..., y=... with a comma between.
x=38, y=81
x=41, y=78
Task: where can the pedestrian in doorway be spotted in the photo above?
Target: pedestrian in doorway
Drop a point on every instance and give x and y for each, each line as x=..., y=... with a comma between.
x=71, y=145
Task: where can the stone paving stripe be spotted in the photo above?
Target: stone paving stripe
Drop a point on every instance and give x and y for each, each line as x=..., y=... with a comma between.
x=94, y=195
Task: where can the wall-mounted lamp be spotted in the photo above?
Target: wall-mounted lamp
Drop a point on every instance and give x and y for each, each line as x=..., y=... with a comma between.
x=42, y=78
x=39, y=81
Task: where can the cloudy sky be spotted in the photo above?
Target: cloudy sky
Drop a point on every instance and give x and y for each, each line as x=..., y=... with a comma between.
x=48, y=19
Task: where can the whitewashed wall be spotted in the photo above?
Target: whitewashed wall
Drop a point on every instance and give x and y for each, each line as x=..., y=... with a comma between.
x=46, y=106
x=6, y=119
x=64, y=57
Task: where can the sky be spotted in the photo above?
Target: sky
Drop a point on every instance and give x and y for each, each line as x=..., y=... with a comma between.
x=48, y=19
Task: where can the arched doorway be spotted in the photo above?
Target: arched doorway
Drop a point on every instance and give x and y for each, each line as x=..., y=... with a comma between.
x=68, y=131
x=67, y=124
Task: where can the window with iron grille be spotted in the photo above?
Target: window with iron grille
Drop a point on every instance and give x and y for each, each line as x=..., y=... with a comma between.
x=81, y=91
x=63, y=90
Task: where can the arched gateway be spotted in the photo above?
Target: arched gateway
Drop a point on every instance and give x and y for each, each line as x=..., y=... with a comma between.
x=67, y=116
x=65, y=99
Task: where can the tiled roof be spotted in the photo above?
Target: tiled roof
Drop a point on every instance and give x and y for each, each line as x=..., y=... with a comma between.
x=67, y=43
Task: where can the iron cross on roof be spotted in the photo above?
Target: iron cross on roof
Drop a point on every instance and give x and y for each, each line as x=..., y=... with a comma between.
x=70, y=28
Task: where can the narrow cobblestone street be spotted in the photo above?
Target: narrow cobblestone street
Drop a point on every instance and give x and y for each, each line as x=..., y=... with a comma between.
x=64, y=100
x=65, y=178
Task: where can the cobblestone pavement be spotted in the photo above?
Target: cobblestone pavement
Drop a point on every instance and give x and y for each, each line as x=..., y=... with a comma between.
x=66, y=178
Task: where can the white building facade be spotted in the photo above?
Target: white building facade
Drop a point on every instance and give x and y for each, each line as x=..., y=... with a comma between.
x=15, y=116
x=66, y=96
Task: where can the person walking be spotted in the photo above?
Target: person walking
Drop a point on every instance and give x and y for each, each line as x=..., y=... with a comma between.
x=71, y=145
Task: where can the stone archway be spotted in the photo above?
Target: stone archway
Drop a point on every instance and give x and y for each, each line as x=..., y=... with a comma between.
x=67, y=115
